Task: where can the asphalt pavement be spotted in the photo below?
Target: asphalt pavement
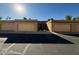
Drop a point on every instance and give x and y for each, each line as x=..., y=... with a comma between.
x=46, y=44
x=42, y=38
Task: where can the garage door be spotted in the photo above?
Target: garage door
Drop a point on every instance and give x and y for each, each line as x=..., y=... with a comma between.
x=0, y=26
x=62, y=28
x=77, y=27
x=26, y=27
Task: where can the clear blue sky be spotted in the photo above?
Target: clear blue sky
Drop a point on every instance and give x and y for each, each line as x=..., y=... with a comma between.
x=41, y=11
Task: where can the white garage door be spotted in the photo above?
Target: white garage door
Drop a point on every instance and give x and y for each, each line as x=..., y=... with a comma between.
x=26, y=27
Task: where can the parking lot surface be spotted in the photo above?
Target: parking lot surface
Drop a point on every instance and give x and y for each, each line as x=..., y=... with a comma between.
x=48, y=44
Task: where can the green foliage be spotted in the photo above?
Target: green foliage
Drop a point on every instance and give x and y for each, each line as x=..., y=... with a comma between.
x=24, y=18
x=0, y=18
x=52, y=19
x=30, y=19
x=68, y=17
x=8, y=18
x=74, y=19
x=48, y=19
x=77, y=17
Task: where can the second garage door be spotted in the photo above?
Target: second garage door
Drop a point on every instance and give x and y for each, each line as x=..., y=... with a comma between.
x=62, y=28
x=26, y=27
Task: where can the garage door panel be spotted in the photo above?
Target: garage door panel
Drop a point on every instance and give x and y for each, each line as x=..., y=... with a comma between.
x=65, y=28
x=77, y=27
x=0, y=26
x=7, y=27
x=26, y=27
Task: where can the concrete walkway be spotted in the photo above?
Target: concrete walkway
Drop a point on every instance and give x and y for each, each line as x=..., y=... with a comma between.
x=43, y=49
x=73, y=39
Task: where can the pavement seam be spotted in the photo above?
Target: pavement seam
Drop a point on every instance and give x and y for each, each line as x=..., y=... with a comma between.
x=6, y=50
x=15, y=52
x=26, y=48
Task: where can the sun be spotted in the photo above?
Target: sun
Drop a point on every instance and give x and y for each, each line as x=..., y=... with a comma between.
x=19, y=8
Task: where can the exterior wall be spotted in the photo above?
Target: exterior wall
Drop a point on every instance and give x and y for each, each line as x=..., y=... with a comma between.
x=61, y=27
x=50, y=25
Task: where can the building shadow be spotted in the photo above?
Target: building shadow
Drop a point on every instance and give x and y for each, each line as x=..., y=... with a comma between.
x=34, y=38
x=72, y=34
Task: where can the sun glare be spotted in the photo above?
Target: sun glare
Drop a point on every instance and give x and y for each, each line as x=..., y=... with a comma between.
x=19, y=8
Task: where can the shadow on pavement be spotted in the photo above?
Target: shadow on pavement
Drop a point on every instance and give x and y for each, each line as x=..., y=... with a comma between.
x=34, y=38
x=76, y=35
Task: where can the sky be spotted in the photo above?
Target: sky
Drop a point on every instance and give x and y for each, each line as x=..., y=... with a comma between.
x=40, y=11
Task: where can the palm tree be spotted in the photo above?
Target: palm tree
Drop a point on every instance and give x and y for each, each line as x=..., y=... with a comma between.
x=8, y=18
x=69, y=18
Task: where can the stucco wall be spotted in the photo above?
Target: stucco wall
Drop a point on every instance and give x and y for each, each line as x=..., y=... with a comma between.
x=50, y=26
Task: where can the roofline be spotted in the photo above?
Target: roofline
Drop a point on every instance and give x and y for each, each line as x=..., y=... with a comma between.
x=32, y=20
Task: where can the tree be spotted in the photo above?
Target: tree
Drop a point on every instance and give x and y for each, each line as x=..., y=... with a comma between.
x=0, y=18
x=30, y=19
x=77, y=17
x=48, y=19
x=8, y=18
x=52, y=19
x=69, y=18
x=74, y=19
x=24, y=18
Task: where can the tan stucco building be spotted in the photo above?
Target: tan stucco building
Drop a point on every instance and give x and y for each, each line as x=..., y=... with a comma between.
x=21, y=25
x=63, y=26
x=18, y=25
